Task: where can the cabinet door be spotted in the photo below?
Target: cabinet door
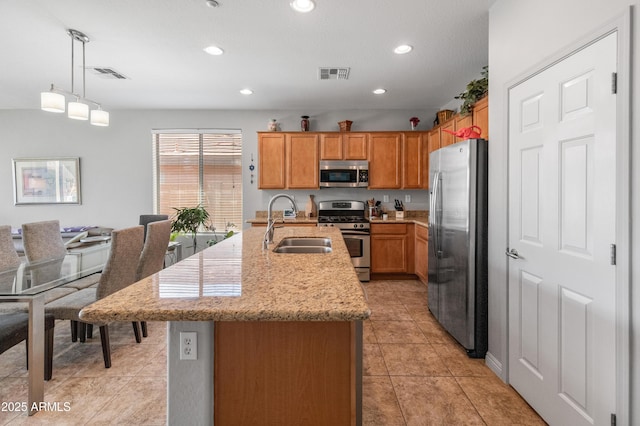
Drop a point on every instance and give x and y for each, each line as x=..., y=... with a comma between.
x=481, y=116
x=462, y=121
x=271, y=161
x=385, y=161
x=447, y=138
x=422, y=257
x=330, y=146
x=355, y=146
x=415, y=174
x=302, y=161
x=389, y=248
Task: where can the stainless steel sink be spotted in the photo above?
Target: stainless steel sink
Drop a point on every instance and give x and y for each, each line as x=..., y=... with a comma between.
x=307, y=242
x=304, y=245
x=302, y=249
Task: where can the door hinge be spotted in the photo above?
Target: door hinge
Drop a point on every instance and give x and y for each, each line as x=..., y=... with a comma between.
x=614, y=83
x=613, y=419
x=612, y=249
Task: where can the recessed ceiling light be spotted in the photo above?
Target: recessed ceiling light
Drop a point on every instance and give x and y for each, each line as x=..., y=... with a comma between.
x=402, y=49
x=214, y=50
x=212, y=3
x=380, y=91
x=302, y=6
x=246, y=91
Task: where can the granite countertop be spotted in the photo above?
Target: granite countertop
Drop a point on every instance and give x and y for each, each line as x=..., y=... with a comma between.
x=236, y=280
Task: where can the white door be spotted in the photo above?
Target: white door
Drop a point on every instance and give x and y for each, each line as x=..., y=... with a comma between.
x=562, y=185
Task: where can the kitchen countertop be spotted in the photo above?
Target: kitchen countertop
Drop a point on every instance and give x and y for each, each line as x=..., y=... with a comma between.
x=236, y=280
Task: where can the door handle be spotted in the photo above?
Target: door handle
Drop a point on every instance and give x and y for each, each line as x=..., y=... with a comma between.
x=513, y=253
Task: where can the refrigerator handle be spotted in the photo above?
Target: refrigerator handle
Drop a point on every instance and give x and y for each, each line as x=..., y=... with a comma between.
x=433, y=213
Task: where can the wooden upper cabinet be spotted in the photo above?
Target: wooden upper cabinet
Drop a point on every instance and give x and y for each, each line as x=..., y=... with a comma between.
x=460, y=122
x=355, y=146
x=331, y=146
x=343, y=146
x=415, y=173
x=302, y=161
x=385, y=160
x=481, y=116
x=271, y=161
x=433, y=140
x=447, y=138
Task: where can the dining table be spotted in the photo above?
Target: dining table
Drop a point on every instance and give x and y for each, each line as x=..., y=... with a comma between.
x=29, y=282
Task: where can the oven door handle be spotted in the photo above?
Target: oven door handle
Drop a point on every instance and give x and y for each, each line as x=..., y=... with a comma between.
x=356, y=233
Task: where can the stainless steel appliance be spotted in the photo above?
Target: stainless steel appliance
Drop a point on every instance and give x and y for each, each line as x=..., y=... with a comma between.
x=349, y=217
x=344, y=174
x=457, y=288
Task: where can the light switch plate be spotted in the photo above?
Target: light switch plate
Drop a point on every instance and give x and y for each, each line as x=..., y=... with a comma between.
x=385, y=198
x=407, y=198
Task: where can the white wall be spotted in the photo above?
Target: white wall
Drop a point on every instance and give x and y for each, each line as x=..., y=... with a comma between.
x=521, y=35
x=116, y=162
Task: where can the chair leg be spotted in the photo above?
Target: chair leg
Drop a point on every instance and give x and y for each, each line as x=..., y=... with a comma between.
x=106, y=349
x=90, y=331
x=74, y=331
x=48, y=354
x=143, y=324
x=82, y=331
x=26, y=341
x=136, y=331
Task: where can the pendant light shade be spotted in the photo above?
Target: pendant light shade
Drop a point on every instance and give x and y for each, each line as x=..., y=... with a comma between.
x=52, y=102
x=78, y=111
x=99, y=117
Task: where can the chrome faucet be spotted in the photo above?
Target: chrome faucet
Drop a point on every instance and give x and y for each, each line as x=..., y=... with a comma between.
x=268, y=235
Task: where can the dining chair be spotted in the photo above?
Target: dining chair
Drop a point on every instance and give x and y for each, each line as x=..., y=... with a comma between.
x=146, y=219
x=153, y=252
x=118, y=273
x=13, y=275
x=14, y=328
x=43, y=240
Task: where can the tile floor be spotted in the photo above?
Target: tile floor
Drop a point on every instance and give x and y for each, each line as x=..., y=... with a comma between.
x=414, y=374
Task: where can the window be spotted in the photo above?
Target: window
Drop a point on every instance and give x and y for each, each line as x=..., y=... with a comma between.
x=192, y=168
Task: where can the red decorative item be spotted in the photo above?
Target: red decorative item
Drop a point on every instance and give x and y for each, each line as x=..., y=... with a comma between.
x=472, y=132
x=414, y=122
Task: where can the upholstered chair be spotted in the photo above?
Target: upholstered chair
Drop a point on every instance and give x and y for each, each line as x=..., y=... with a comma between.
x=8, y=256
x=146, y=219
x=43, y=241
x=14, y=328
x=118, y=273
x=155, y=248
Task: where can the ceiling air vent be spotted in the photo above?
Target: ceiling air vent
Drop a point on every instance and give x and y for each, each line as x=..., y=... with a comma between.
x=329, y=73
x=106, y=72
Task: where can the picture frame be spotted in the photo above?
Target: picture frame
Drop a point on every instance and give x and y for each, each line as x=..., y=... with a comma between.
x=53, y=180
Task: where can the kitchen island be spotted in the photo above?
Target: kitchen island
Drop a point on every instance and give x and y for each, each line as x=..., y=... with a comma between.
x=279, y=335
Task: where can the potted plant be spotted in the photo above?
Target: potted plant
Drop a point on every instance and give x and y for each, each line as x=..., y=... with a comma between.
x=476, y=90
x=190, y=219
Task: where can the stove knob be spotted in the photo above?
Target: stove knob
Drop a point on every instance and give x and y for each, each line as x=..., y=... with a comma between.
x=331, y=224
x=361, y=226
x=355, y=225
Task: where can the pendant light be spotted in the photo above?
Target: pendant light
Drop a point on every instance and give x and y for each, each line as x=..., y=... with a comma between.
x=78, y=109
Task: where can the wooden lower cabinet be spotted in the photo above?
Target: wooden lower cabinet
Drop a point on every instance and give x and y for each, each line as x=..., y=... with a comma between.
x=392, y=248
x=286, y=373
x=421, y=251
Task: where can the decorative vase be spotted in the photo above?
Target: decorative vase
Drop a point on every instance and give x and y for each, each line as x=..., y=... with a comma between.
x=304, y=123
x=311, y=208
x=273, y=125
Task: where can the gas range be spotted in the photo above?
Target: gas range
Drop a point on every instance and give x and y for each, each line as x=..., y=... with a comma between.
x=348, y=215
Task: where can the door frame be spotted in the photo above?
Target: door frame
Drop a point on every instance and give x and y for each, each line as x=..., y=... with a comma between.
x=622, y=25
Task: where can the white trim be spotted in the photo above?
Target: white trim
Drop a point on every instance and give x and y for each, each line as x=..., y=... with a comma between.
x=494, y=364
x=199, y=130
x=622, y=25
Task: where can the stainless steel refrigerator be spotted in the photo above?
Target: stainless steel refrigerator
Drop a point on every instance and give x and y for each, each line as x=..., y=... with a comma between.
x=457, y=288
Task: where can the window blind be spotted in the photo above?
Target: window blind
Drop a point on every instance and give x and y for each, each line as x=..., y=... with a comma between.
x=200, y=168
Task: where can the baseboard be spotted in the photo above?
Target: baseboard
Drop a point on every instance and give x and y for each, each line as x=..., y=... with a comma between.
x=494, y=365
x=390, y=276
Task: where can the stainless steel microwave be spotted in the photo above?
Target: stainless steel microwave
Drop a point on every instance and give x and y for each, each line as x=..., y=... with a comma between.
x=344, y=174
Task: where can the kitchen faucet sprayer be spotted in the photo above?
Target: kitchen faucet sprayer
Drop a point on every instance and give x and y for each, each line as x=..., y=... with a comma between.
x=268, y=235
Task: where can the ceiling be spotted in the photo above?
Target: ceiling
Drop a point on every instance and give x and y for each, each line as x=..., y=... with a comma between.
x=269, y=48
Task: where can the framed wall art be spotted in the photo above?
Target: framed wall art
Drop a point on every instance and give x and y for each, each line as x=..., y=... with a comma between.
x=46, y=181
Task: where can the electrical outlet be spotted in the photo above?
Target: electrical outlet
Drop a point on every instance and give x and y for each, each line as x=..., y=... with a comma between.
x=407, y=198
x=188, y=345
x=385, y=198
